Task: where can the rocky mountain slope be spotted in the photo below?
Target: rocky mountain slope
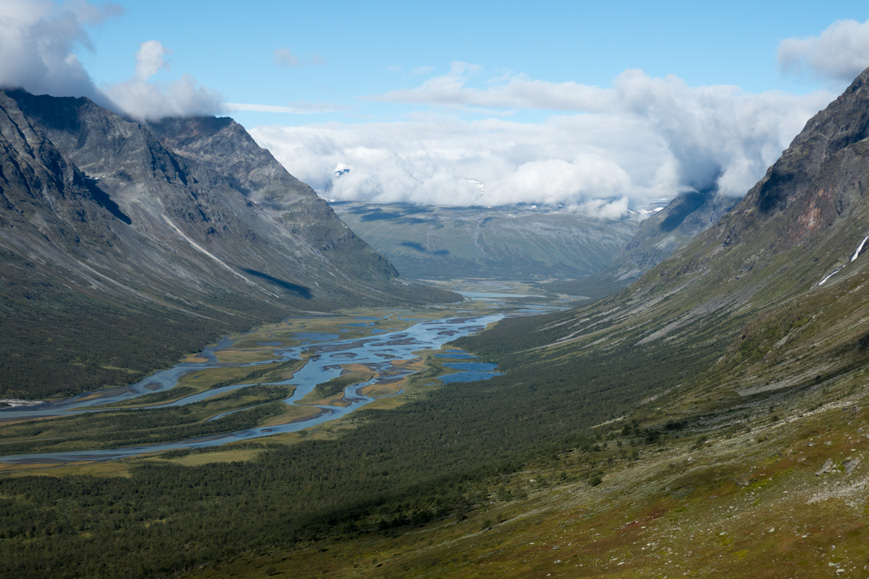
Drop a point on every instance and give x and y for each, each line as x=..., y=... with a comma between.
x=804, y=220
x=124, y=245
x=510, y=243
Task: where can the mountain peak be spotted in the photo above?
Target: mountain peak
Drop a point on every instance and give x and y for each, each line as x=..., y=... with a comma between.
x=184, y=222
x=817, y=183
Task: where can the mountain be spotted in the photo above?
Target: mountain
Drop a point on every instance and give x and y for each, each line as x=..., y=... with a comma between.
x=658, y=236
x=125, y=245
x=710, y=419
x=511, y=243
x=755, y=274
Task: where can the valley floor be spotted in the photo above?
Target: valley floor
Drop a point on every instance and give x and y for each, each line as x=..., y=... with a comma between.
x=457, y=481
x=764, y=497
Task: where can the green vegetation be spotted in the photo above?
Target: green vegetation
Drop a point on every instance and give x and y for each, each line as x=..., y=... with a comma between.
x=429, y=459
x=210, y=378
x=543, y=454
x=336, y=386
x=43, y=358
x=153, y=398
x=132, y=427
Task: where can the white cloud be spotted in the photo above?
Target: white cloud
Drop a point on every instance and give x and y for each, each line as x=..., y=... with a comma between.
x=154, y=100
x=142, y=98
x=642, y=138
x=719, y=136
x=438, y=160
x=150, y=58
x=37, y=44
x=840, y=52
x=37, y=39
x=452, y=89
x=300, y=109
x=602, y=208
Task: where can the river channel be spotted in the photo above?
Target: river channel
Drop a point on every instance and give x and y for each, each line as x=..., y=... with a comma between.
x=383, y=352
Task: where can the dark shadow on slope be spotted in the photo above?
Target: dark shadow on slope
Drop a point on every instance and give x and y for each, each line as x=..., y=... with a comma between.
x=419, y=247
x=380, y=216
x=103, y=200
x=413, y=245
x=297, y=290
x=688, y=204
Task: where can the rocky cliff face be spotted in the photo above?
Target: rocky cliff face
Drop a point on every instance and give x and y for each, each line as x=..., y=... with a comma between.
x=685, y=217
x=186, y=221
x=806, y=216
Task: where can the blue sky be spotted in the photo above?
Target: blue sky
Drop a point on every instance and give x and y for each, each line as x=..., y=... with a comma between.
x=590, y=105
x=347, y=51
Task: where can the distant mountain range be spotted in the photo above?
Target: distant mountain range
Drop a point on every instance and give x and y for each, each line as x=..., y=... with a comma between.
x=574, y=253
x=510, y=243
x=125, y=244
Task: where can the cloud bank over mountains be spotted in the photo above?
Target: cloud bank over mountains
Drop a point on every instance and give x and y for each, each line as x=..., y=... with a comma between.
x=143, y=98
x=37, y=41
x=596, y=149
x=643, y=138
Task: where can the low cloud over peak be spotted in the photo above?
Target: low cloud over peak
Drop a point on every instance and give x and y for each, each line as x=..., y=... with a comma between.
x=144, y=98
x=38, y=42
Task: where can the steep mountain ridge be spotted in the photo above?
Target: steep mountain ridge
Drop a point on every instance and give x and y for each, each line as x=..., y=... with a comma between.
x=224, y=146
x=109, y=232
x=813, y=196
